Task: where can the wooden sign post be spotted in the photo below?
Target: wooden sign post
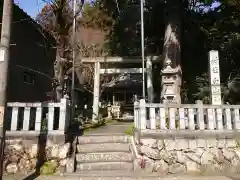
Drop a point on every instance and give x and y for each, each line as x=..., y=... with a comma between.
x=214, y=72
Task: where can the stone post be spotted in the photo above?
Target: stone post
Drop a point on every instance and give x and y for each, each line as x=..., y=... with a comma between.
x=109, y=110
x=200, y=115
x=136, y=114
x=214, y=76
x=149, y=80
x=143, y=122
x=96, y=92
x=150, y=94
x=64, y=118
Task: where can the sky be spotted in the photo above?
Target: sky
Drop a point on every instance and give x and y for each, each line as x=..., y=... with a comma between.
x=31, y=7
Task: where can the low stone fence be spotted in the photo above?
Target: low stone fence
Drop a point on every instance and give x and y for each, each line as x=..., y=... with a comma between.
x=33, y=118
x=180, y=156
x=186, y=138
x=186, y=116
x=36, y=137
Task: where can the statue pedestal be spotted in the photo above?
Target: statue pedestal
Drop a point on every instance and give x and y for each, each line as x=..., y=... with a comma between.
x=171, y=85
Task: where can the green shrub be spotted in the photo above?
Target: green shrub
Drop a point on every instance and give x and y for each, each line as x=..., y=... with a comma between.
x=49, y=168
x=129, y=130
x=44, y=125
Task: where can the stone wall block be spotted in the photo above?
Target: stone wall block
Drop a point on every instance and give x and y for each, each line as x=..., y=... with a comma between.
x=207, y=158
x=194, y=157
x=149, y=142
x=177, y=169
x=181, y=157
x=218, y=156
x=70, y=165
x=211, y=143
x=199, y=151
x=144, y=164
x=192, y=167
x=181, y=144
x=161, y=167
x=63, y=151
x=228, y=154
x=166, y=156
x=192, y=144
x=12, y=168
x=149, y=152
x=231, y=143
x=221, y=143
x=201, y=143
x=33, y=151
x=178, y=156
x=22, y=157
x=169, y=144
x=160, y=145
x=237, y=151
x=54, y=151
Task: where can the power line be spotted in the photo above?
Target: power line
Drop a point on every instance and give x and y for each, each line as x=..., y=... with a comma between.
x=21, y=20
x=38, y=72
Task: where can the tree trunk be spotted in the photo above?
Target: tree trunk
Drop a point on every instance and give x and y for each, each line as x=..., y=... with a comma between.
x=59, y=76
x=172, y=50
x=172, y=47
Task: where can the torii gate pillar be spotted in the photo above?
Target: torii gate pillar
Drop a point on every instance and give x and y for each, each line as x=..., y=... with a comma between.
x=96, y=90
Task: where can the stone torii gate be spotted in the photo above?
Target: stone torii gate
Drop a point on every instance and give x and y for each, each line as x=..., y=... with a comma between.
x=98, y=71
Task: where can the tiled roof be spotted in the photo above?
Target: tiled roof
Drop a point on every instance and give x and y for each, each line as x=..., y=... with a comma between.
x=25, y=17
x=125, y=80
x=20, y=9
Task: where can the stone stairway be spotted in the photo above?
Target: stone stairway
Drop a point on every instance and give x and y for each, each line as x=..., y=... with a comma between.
x=104, y=153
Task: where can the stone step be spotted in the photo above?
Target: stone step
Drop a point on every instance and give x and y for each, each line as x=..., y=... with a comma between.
x=104, y=157
x=105, y=166
x=103, y=139
x=103, y=147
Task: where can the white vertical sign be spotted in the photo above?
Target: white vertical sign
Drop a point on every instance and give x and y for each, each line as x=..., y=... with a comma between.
x=214, y=72
x=2, y=55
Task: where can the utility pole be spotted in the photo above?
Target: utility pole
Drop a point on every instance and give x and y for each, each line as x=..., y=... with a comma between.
x=142, y=48
x=73, y=58
x=4, y=60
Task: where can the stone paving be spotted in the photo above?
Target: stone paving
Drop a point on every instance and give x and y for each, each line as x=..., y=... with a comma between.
x=112, y=176
x=112, y=128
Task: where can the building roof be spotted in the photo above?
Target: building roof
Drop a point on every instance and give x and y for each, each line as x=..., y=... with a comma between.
x=19, y=15
x=125, y=80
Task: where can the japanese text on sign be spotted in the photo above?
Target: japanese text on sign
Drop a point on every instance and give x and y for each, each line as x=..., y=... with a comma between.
x=214, y=76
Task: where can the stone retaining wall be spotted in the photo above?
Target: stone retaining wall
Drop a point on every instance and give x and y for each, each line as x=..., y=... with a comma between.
x=24, y=155
x=188, y=156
